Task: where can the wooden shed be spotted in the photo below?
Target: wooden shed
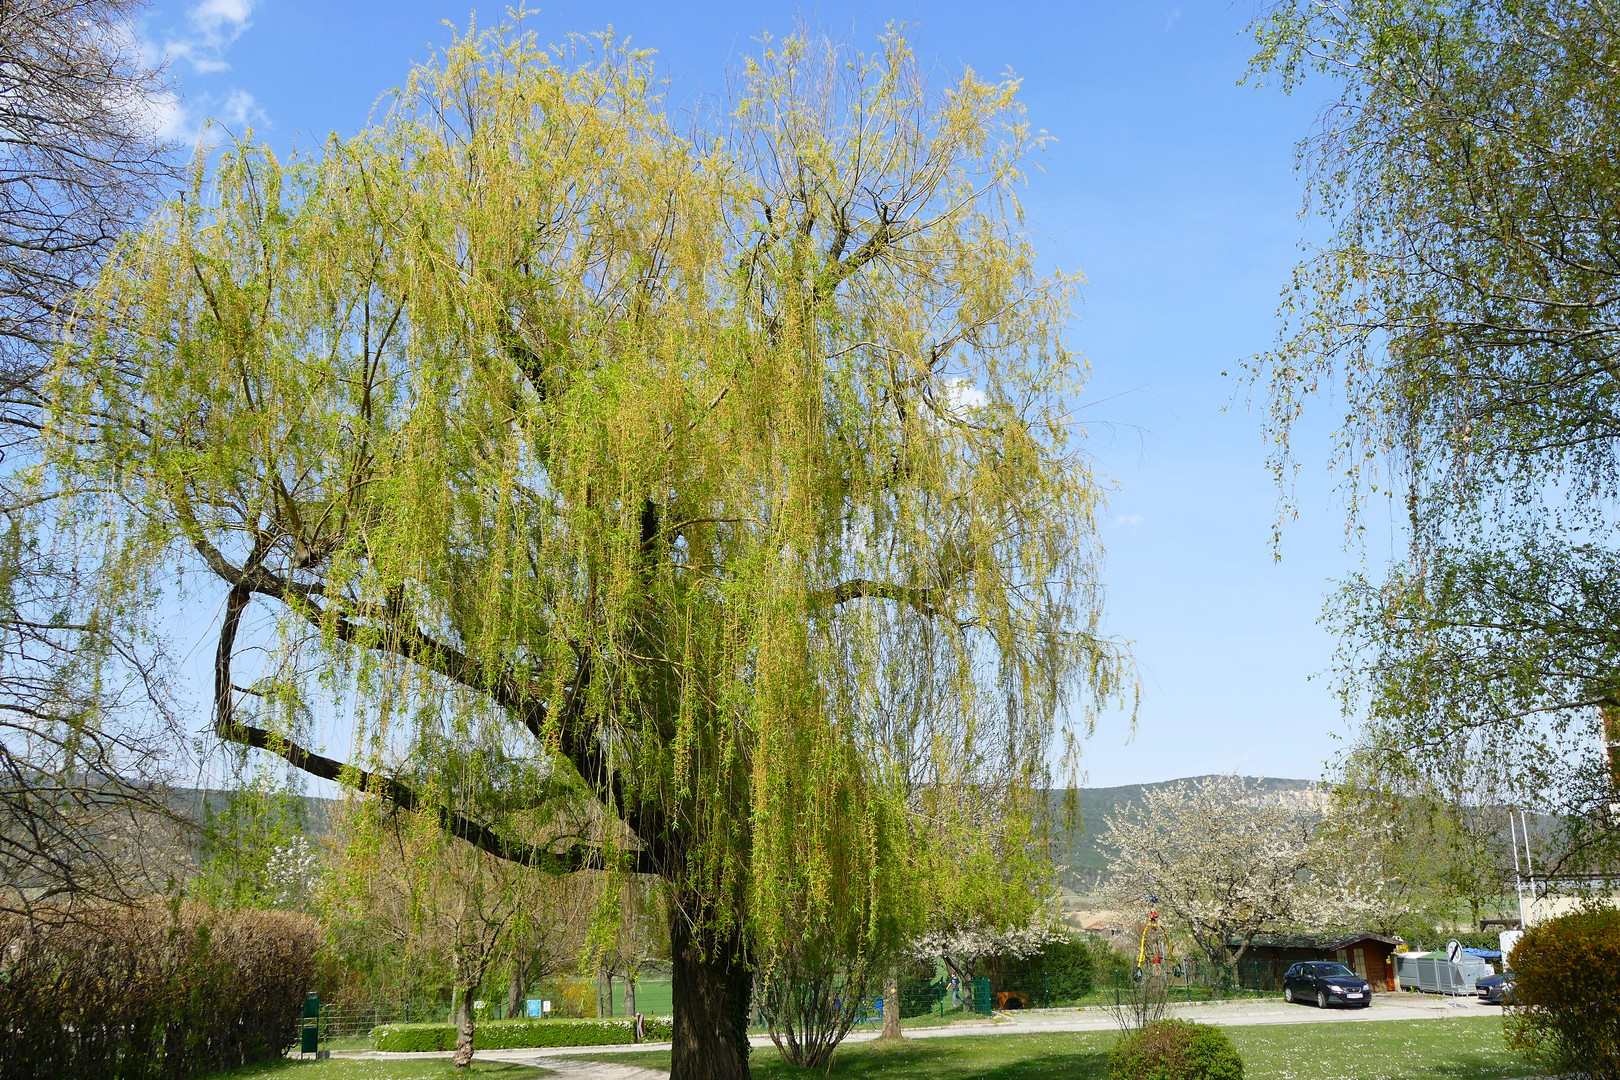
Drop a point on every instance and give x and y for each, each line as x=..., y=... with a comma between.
x=1372, y=956
x=1368, y=955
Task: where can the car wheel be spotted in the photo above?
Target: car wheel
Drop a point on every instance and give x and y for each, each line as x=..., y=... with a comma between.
x=1288, y=994
x=1321, y=999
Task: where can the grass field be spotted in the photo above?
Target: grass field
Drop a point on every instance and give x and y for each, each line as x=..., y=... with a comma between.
x=1468, y=1049
x=1464, y=1049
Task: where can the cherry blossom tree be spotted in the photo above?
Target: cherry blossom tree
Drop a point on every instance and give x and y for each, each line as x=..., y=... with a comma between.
x=1226, y=859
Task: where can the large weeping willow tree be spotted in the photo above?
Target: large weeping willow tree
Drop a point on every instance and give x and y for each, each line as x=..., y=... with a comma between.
x=728, y=471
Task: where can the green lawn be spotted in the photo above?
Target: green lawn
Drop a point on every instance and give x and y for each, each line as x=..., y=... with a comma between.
x=396, y=1069
x=1469, y=1049
x=1465, y=1049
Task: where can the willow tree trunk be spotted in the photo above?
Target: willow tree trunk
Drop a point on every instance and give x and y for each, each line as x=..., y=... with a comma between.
x=891, y=1005
x=516, y=990
x=712, y=986
x=629, y=995
x=464, y=1028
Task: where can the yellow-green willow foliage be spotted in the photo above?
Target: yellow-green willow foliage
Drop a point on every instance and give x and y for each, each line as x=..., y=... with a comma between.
x=728, y=469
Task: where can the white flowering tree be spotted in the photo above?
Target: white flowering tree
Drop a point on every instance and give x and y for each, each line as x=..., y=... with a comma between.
x=1226, y=859
x=293, y=874
x=959, y=948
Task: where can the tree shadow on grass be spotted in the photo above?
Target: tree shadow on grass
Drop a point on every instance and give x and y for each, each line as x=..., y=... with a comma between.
x=919, y=1059
x=1475, y=1067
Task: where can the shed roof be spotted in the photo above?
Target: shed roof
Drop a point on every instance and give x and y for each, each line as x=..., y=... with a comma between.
x=1323, y=942
x=1345, y=940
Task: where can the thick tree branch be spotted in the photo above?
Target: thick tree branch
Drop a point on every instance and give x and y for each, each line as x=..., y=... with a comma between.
x=229, y=728
x=924, y=600
x=574, y=742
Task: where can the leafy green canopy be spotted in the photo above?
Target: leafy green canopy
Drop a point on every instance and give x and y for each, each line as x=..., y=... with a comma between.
x=1466, y=314
x=703, y=471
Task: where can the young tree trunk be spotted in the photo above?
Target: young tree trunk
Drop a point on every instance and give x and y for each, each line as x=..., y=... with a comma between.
x=604, y=993
x=712, y=988
x=629, y=995
x=464, y=1028
x=516, y=989
x=891, y=1004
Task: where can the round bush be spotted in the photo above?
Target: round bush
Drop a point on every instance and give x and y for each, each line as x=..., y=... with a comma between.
x=1175, y=1050
x=1566, y=994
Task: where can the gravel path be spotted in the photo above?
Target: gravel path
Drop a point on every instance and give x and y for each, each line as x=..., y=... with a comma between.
x=596, y=1070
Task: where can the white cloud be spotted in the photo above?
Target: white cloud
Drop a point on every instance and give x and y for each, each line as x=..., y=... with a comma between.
x=187, y=122
x=1128, y=521
x=166, y=115
x=1171, y=19
x=959, y=402
x=197, y=46
x=211, y=27
x=962, y=395
x=240, y=109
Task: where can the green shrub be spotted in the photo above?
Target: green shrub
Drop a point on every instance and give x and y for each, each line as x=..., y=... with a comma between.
x=516, y=1034
x=1070, y=968
x=1566, y=993
x=1175, y=1050
x=413, y=1038
x=1061, y=971
x=1424, y=937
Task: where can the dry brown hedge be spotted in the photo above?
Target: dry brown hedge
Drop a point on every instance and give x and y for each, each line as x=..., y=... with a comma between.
x=151, y=993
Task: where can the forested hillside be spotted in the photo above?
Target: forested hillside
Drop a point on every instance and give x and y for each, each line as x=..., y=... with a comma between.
x=1081, y=863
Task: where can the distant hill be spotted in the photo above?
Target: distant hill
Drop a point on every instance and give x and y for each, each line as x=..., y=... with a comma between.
x=1082, y=864
x=195, y=804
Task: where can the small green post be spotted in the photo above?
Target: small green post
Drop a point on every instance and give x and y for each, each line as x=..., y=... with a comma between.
x=309, y=1043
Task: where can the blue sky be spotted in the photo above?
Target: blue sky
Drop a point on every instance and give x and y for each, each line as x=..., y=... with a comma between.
x=1170, y=186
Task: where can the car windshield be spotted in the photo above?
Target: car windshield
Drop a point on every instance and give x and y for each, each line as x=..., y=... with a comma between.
x=1335, y=971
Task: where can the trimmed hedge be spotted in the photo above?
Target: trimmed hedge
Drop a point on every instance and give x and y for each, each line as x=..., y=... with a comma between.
x=1175, y=1050
x=517, y=1034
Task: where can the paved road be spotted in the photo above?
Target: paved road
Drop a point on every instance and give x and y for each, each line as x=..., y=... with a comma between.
x=1035, y=1021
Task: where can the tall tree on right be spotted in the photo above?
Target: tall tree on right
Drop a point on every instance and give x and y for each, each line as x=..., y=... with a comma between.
x=1467, y=311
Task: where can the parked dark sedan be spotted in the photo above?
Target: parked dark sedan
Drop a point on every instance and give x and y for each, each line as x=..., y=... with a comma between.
x=1326, y=983
x=1496, y=989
